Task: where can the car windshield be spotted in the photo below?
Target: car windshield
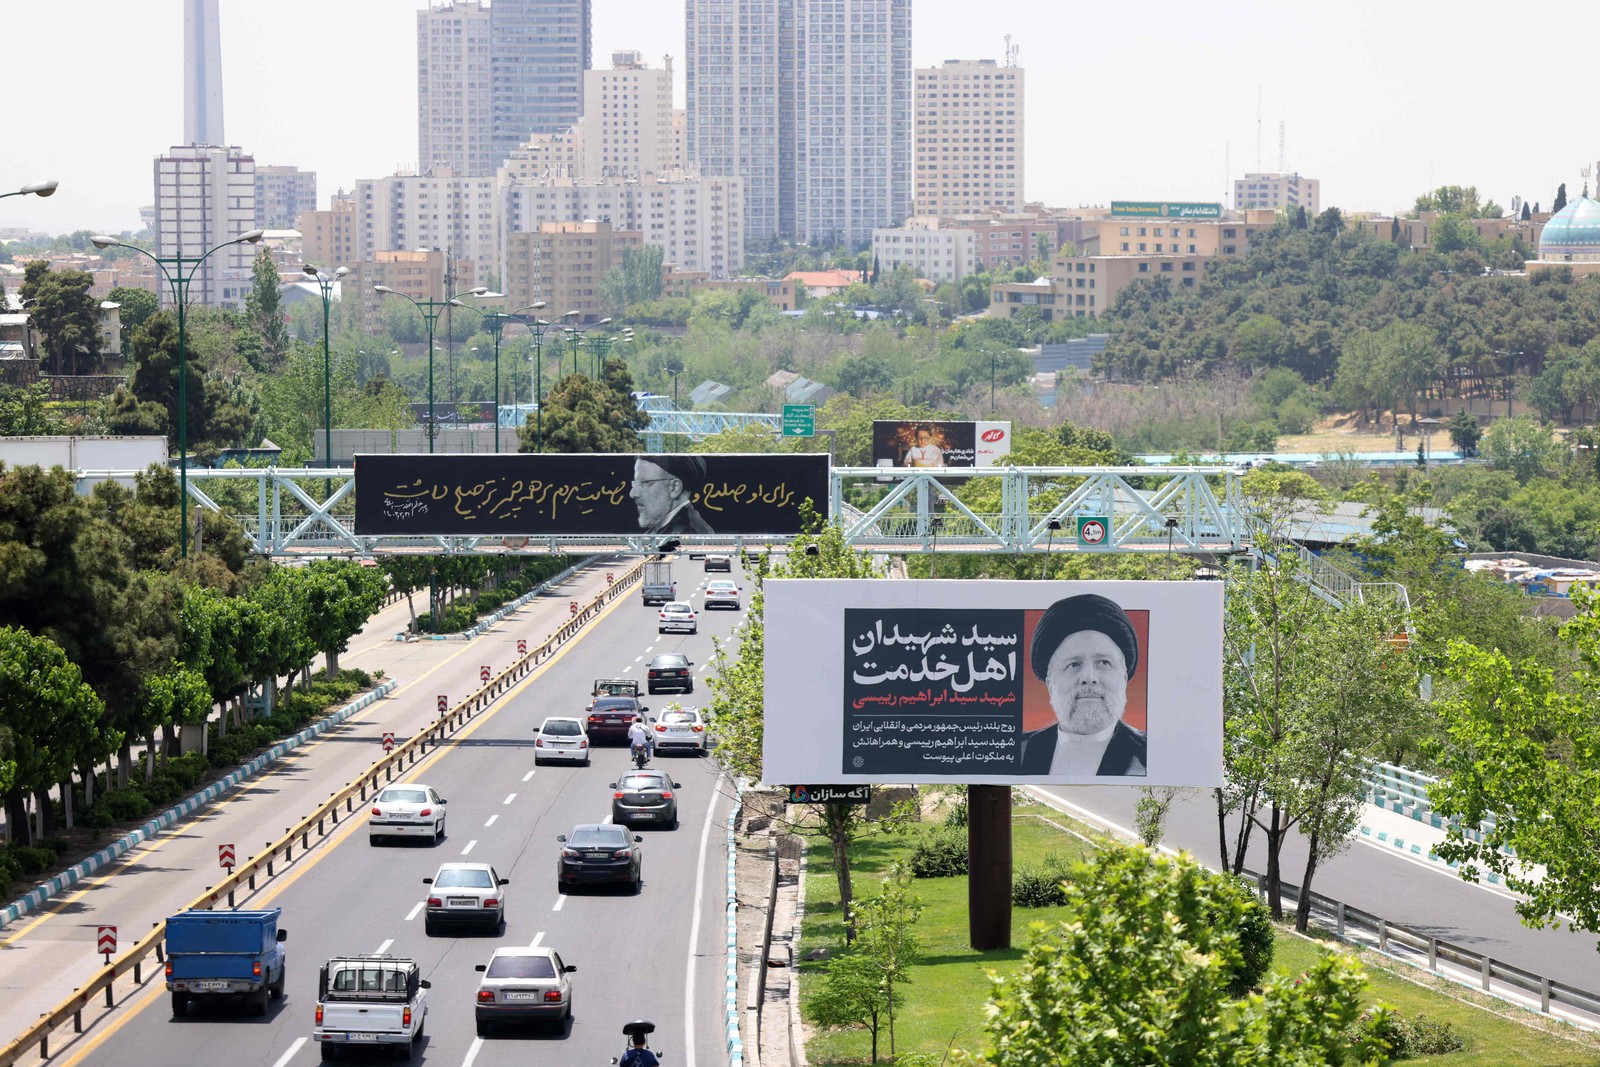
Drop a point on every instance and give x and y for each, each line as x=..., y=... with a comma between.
x=679, y=716
x=627, y=704
x=637, y=782
x=670, y=661
x=463, y=878
x=521, y=967
x=598, y=837
x=561, y=728
x=403, y=796
x=721, y=587
x=677, y=609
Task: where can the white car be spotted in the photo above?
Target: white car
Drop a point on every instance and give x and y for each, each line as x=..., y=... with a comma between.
x=722, y=593
x=676, y=615
x=467, y=894
x=682, y=728
x=561, y=738
x=719, y=562
x=524, y=985
x=407, y=811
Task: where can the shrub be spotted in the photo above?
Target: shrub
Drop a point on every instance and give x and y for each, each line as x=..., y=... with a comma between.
x=162, y=789
x=31, y=860
x=1040, y=886
x=956, y=817
x=360, y=679
x=940, y=852
x=58, y=845
x=1255, y=943
x=1421, y=1036
x=98, y=817
x=9, y=871
x=125, y=804
x=188, y=770
x=230, y=751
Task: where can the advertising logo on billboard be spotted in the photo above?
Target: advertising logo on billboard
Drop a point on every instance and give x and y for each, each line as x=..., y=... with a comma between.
x=936, y=443
x=1164, y=209
x=873, y=681
x=605, y=494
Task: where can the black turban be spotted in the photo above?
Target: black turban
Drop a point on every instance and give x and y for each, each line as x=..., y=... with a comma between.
x=688, y=469
x=1087, y=611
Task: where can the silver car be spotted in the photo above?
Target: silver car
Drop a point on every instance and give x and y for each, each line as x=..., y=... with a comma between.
x=524, y=985
x=680, y=728
x=561, y=738
x=465, y=894
x=406, y=811
x=676, y=615
x=722, y=593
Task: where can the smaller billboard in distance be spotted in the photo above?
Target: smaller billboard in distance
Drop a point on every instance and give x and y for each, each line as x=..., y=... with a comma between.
x=936, y=443
x=1164, y=209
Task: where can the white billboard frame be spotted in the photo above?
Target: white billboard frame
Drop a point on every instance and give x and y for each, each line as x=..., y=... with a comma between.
x=852, y=699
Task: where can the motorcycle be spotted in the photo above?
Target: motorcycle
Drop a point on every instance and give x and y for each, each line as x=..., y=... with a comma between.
x=638, y=1026
x=641, y=756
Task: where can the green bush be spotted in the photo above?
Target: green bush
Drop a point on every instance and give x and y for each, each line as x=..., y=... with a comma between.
x=162, y=789
x=189, y=770
x=956, y=817
x=939, y=852
x=98, y=817
x=58, y=845
x=9, y=871
x=1255, y=943
x=1405, y=1037
x=1039, y=886
x=359, y=678
x=125, y=804
x=230, y=751
x=32, y=860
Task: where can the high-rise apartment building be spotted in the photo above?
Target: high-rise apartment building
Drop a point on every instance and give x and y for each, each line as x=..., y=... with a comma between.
x=455, y=112
x=439, y=209
x=627, y=118
x=205, y=196
x=563, y=264
x=539, y=50
x=809, y=101
x=1277, y=191
x=283, y=194
x=421, y=275
x=328, y=238
x=968, y=142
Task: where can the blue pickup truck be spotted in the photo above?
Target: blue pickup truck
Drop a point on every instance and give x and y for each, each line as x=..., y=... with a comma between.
x=225, y=954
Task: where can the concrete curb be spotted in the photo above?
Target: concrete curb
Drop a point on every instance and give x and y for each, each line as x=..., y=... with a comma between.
x=505, y=609
x=731, y=984
x=36, y=897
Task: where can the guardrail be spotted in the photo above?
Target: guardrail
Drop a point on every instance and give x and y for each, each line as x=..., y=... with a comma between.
x=735, y=1043
x=282, y=851
x=1405, y=791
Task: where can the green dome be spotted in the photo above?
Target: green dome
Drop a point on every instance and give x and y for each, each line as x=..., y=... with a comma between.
x=1572, y=231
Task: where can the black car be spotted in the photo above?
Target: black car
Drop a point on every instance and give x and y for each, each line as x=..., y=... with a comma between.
x=645, y=796
x=599, y=854
x=670, y=670
x=610, y=717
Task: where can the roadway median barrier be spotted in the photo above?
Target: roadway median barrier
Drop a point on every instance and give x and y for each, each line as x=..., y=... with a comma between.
x=340, y=807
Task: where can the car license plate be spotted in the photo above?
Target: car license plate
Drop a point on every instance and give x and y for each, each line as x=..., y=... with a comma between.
x=463, y=902
x=211, y=985
x=519, y=996
x=362, y=1037
x=644, y=814
x=594, y=855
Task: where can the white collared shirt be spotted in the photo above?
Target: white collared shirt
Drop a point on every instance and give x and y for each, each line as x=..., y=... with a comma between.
x=1079, y=755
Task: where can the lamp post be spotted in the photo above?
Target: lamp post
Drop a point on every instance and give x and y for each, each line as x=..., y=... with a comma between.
x=44, y=188
x=326, y=283
x=430, y=311
x=992, y=358
x=575, y=335
x=674, y=368
x=602, y=348
x=179, y=282
x=496, y=322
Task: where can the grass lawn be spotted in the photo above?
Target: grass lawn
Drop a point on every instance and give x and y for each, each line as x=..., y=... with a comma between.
x=948, y=989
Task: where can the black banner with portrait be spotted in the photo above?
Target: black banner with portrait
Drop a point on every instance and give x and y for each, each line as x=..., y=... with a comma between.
x=933, y=690
x=533, y=494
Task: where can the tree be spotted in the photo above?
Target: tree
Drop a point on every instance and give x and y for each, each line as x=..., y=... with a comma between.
x=583, y=415
x=863, y=990
x=25, y=411
x=148, y=404
x=1139, y=972
x=263, y=307
x=341, y=595
x=1560, y=200
x=137, y=305
x=67, y=317
x=1526, y=448
x=1464, y=433
x=635, y=280
x=1527, y=213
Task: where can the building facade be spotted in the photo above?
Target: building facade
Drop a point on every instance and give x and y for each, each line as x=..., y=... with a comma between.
x=421, y=275
x=936, y=253
x=627, y=119
x=455, y=111
x=564, y=264
x=539, y=50
x=968, y=138
x=205, y=196
x=328, y=238
x=1277, y=190
x=1001, y=242
x=282, y=194
x=202, y=73
x=440, y=209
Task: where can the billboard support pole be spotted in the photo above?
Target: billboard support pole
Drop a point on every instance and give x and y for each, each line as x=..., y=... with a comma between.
x=989, y=866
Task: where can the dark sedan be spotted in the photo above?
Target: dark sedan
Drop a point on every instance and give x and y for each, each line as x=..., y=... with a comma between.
x=670, y=671
x=599, y=854
x=610, y=717
x=645, y=797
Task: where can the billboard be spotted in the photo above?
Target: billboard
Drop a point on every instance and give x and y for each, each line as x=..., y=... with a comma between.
x=873, y=681
x=932, y=443
x=533, y=494
x=1164, y=209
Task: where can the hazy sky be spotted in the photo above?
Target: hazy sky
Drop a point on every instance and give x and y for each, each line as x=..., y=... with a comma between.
x=1381, y=99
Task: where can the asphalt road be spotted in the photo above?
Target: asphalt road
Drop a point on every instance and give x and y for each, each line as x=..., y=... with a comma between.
x=659, y=955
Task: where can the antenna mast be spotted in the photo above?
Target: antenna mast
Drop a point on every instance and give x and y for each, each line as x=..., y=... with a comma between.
x=1282, y=167
x=1011, y=52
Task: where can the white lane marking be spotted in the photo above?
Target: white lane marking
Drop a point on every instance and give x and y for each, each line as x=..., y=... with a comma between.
x=384, y=947
x=536, y=939
x=470, y=846
x=694, y=932
x=561, y=898
x=636, y=659
x=472, y=1053
x=704, y=667
x=287, y=1056
x=412, y=914
x=527, y=776
x=490, y=823
x=628, y=668
x=509, y=798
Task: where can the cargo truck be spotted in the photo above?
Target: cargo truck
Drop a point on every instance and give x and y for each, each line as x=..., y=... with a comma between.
x=215, y=954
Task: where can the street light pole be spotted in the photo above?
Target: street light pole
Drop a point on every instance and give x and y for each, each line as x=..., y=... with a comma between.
x=44, y=188
x=991, y=382
x=576, y=335
x=496, y=321
x=430, y=311
x=180, y=295
x=326, y=284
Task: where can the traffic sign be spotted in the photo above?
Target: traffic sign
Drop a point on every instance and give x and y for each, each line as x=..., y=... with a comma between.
x=444, y=703
x=799, y=420
x=483, y=673
x=225, y=856
x=1094, y=531
x=830, y=794
x=522, y=646
x=107, y=942
x=388, y=741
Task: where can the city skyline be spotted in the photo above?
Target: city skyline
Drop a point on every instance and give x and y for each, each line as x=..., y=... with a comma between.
x=1372, y=103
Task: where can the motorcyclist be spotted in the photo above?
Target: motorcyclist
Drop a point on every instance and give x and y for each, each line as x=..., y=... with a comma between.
x=638, y=1055
x=639, y=737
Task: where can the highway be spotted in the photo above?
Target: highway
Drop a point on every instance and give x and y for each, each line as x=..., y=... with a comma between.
x=658, y=956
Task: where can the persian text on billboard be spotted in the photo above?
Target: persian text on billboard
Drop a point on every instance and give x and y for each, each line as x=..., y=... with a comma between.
x=932, y=443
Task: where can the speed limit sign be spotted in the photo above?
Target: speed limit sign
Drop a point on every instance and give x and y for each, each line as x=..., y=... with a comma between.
x=1093, y=530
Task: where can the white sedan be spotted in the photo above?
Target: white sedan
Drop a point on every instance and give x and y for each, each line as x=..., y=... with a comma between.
x=677, y=615
x=722, y=593
x=465, y=894
x=407, y=811
x=561, y=738
x=524, y=984
x=683, y=728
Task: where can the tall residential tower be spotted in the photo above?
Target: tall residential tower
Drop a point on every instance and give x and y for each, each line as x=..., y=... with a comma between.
x=454, y=105
x=969, y=138
x=539, y=50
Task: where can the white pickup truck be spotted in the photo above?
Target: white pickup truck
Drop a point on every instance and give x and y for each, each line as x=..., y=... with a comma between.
x=371, y=1000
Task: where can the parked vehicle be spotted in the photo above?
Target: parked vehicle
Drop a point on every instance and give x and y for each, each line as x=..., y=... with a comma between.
x=599, y=854
x=465, y=894
x=371, y=1000
x=524, y=985
x=645, y=796
x=560, y=738
x=610, y=717
x=722, y=593
x=681, y=728
x=656, y=585
x=679, y=616
x=670, y=670
x=407, y=811
x=215, y=954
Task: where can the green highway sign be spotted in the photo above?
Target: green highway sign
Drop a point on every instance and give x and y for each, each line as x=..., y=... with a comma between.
x=1094, y=531
x=799, y=420
x=1164, y=209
